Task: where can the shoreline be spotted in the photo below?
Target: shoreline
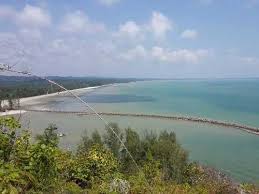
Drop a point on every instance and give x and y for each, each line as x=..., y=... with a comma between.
x=241, y=127
x=12, y=112
x=63, y=93
x=28, y=100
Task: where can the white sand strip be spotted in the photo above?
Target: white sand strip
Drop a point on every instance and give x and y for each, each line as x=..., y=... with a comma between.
x=76, y=91
x=12, y=112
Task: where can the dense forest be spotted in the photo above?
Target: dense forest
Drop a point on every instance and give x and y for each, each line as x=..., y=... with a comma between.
x=101, y=164
x=21, y=86
x=15, y=87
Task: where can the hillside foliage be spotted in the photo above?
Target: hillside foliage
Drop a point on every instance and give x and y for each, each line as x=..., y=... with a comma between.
x=101, y=164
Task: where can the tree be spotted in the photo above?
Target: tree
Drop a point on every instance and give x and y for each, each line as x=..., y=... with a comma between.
x=43, y=165
x=171, y=155
x=49, y=137
x=111, y=140
x=93, y=167
x=8, y=126
x=133, y=144
x=1, y=99
x=13, y=158
x=96, y=138
x=86, y=143
x=10, y=101
x=21, y=152
x=151, y=169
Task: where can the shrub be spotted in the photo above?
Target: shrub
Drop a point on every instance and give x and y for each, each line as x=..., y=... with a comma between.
x=95, y=166
x=49, y=136
x=43, y=165
x=14, y=180
x=8, y=126
x=104, y=166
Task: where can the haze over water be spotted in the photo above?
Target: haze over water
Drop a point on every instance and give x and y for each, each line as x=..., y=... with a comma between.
x=233, y=151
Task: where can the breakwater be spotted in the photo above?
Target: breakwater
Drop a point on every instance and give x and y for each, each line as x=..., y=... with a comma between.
x=242, y=127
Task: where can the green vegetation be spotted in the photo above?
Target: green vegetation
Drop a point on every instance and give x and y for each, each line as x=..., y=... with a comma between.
x=101, y=165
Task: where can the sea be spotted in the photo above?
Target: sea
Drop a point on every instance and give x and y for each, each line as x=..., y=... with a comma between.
x=230, y=150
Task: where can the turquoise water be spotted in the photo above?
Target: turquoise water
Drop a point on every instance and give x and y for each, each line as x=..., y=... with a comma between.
x=230, y=100
x=233, y=151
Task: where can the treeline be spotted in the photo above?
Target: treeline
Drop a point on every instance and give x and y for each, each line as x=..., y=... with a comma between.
x=20, y=86
x=102, y=165
x=15, y=87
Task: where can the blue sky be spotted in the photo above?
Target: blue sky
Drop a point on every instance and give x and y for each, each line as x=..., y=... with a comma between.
x=132, y=38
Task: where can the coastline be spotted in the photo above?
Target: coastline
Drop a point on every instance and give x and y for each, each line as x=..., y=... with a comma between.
x=12, y=112
x=28, y=100
x=63, y=93
x=31, y=100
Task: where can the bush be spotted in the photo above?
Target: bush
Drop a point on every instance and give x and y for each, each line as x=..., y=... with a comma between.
x=95, y=166
x=43, y=165
x=102, y=165
x=14, y=180
x=8, y=126
x=49, y=137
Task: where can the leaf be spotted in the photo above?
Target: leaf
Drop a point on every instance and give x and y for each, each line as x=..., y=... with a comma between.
x=13, y=190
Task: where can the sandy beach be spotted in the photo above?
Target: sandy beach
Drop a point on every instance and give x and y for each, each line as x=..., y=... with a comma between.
x=63, y=93
x=12, y=112
x=35, y=99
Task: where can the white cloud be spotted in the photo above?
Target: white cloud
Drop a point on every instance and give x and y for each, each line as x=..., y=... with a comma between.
x=163, y=55
x=139, y=52
x=59, y=47
x=78, y=21
x=178, y=56
x=132, y=46
x=160, y=24
x=33, y=16
x=250, y=60
x=189, y=34
x=129, y=30
x=12, y=50
x=109, y=2
x=106, y=47
x=30, y=17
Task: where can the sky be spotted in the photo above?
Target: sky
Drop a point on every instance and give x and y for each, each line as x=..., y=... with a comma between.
x=132, y=38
